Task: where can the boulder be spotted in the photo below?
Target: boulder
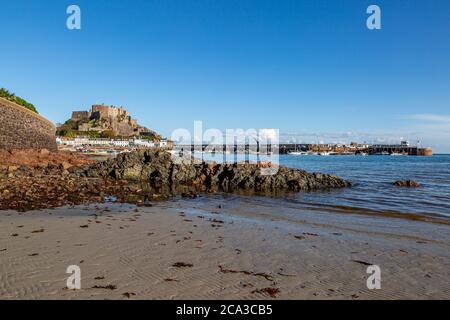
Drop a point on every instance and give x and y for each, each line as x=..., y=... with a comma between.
x=407, y=183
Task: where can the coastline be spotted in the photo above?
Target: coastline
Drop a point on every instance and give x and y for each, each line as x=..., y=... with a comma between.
x=235, y=253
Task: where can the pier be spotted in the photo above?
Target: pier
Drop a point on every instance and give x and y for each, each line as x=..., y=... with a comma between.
x=400, y=149
x=333, y=149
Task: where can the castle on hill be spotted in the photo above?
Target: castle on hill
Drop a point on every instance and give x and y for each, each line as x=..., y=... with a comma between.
x=102, y=118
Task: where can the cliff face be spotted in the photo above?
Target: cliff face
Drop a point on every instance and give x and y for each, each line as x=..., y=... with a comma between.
x=24, y=129
x=104, y=119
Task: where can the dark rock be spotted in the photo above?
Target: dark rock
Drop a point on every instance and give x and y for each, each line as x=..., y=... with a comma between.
x=158, y=168
x=407, y=183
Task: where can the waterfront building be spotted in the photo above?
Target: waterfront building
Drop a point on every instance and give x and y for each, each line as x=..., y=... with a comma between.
x=133, y=143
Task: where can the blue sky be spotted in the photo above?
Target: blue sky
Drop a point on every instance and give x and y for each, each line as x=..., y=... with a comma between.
x=310, y=68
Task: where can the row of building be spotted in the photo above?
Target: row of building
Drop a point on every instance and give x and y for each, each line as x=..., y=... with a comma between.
x=133, y=143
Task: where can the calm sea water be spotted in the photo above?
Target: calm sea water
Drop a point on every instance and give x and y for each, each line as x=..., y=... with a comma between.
x=372, y=178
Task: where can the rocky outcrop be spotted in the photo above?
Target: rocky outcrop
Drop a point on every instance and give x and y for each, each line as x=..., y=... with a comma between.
x=139, y=178
x=161, y=170
x=24, y=188
x=407, y=183
x=41, y=158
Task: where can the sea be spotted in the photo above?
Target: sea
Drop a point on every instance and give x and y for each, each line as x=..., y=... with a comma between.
x=372, y=179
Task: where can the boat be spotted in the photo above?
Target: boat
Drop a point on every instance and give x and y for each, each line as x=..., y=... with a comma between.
x=384, y=153
x=398, y=154
x=345, y=153
x=298, y=153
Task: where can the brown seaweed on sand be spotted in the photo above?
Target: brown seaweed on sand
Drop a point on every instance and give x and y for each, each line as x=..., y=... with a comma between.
x=129, y=294
x=109, y=287
x=272, y=292
x=362, y=262
x=257, y=274
x=182, y=265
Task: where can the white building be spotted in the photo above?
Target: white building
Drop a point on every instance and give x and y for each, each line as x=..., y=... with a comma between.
x=143, y=143
x=121, y=143
x=162, y=144
x=99, y=142
x=128, y=143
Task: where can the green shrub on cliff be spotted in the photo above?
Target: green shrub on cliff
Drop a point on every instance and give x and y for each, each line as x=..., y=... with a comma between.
x=151, y=137
x=68, y=133
x=109, y=134
x=13, y=98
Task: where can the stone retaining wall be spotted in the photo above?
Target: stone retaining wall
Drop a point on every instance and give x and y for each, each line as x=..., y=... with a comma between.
x=21, y=128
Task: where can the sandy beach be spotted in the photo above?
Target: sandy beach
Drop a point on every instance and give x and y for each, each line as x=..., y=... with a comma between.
x=218, y=246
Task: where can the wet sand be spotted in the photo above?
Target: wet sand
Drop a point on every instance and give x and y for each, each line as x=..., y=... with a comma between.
x=219, y=247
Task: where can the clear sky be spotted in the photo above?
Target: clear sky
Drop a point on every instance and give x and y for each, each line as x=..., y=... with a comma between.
x=308, y=67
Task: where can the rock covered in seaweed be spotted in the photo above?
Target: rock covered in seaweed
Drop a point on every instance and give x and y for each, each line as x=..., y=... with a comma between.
x=161, y=169
x=407, y=183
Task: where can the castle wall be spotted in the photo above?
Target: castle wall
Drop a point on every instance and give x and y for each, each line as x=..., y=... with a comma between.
x=108, y=112
x=21, y=128
x=80, y=115
x=102, y=110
